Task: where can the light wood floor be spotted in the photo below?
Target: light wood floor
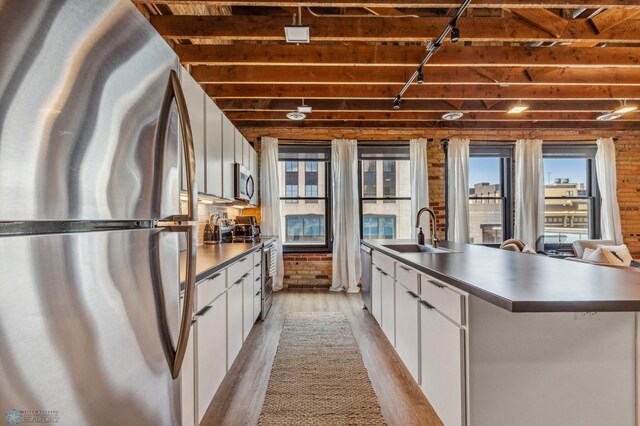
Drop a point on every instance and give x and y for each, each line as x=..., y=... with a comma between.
x=241, y=395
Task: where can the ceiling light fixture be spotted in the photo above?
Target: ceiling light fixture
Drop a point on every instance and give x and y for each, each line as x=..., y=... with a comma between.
x=450, y=116
x=295, y=115
x=518, y=109
x=305, y=109
x=610, y=116
x=626, y=109
x=433, y=47
x=420, y=79
x=297, y=33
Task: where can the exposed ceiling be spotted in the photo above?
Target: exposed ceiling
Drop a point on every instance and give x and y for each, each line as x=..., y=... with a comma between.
x=569, y=61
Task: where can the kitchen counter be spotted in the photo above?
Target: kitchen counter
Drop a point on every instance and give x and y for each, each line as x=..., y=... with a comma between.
x=211, y=258
x=521, y=282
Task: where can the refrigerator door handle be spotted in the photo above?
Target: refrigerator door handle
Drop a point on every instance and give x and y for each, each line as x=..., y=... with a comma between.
x=183, y=223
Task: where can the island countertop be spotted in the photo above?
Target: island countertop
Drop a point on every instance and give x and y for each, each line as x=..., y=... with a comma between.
x=211, y=258
x=521, y=282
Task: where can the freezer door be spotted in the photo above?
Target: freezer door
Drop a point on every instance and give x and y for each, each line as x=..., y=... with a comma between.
x=82, y=85
x=86, y=325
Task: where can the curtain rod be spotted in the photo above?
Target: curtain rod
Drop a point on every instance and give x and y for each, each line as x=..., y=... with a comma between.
x=512, y=141
x=324, y=141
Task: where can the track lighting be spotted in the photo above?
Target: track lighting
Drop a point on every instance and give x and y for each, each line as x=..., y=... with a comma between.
x=455, y=35
x=396, y=103
x=420, y=76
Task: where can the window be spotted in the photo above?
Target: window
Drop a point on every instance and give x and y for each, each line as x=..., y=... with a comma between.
x=489, y=194
x=571, y=200
x=385, y=192
x=304, y=197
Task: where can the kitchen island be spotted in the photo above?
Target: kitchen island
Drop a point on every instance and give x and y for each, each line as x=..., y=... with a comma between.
x=501, y=338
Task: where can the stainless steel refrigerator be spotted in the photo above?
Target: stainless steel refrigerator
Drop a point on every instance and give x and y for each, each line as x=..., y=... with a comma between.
x=92, y=121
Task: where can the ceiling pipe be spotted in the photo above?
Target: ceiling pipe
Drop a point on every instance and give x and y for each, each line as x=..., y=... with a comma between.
x=368, y=15
x=432, y=48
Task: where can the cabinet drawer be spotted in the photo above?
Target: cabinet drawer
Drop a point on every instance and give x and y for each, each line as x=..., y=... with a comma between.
x=257, y=306
x=383, y=262
x=443, y=298
x=238, y=269
x=257, y=257
x=407, y=277
x=209, y=288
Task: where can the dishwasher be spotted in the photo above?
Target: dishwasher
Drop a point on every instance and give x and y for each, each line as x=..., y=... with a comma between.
x=365, y=258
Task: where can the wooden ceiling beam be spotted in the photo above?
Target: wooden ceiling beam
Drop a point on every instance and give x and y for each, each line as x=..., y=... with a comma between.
x=449, y=55
x=241, y=74
x=416, y=105
x=435, y=91
x=427, y=4
x=225, y=28
x=424, y=116
x=497, y=125
x=543, y=19
x=611, y=18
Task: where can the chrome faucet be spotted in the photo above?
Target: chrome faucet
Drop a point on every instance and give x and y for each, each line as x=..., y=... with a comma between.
x=432, y=224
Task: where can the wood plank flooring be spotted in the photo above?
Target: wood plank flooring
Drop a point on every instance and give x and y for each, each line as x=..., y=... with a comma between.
x=240, y=397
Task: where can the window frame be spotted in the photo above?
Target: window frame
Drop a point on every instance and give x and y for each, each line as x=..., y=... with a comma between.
x=387, y=153
x=291, y=151
x=505, y=154
x=594, y=200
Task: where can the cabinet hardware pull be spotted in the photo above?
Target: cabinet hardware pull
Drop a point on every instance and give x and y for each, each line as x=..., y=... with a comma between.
x=258, y=293
x=202, y=312
x=242, y=260
x=427, y=305
x=437, y=284
x=214, y=276
x=412, y=294
x=258, y=279
x=256, y=265
x=238, y=282
x=405, y=268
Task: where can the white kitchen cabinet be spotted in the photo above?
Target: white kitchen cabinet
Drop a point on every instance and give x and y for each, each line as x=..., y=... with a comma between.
x=213, y=148
x=376, y=293
x=228, y=157
x=246, y=153
x=187, y=380
x=255, y=172
x=194, y=97
x=442, y=365
x=388, y=307
x=234, y=321
x=247, y=304
x=211, y=332
x=239, y=146
x=407, y=334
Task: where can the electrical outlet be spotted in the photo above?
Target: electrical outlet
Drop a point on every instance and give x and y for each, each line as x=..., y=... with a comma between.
x=585, y=316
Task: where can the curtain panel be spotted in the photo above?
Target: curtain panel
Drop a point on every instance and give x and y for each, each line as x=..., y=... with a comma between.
x=419, y=182
x=606, y=175
x=346, y=220
x=458, y=190
x=529, y=191
x=270, y=202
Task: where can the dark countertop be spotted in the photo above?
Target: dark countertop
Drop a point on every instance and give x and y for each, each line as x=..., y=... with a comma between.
x=521, y=282
x=211, y=258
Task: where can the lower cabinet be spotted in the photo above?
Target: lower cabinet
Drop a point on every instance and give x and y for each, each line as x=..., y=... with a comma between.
x=234, y=321
x=211, y=337
x=407, y=335
x=388, y=323
x=376, y=293
x=442, y=365
x=247, y=305
x=187, y=379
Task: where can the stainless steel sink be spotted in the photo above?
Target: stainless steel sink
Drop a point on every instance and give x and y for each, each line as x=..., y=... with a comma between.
x=416, y=248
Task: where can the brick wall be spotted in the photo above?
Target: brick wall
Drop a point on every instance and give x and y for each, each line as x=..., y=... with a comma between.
x=628, y=174
x=312, y=270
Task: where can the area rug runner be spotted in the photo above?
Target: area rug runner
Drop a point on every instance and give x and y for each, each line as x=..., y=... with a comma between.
x=318, y=377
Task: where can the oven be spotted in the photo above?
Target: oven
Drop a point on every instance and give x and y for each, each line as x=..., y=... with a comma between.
x=269, y=257
x=244, y=184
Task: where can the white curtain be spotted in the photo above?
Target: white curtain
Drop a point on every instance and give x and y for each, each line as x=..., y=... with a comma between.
x=606, y=174
x=529, y=203
x=419, y=183
x=270, y=202
x=458, y=190
x=346, y=221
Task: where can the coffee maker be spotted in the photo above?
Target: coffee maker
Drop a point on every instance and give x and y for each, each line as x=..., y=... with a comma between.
x=246, y=229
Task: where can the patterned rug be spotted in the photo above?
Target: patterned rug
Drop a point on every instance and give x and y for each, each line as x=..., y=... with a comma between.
x=318, y=377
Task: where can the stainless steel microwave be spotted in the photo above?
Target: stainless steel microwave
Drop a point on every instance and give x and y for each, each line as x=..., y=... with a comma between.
x=243, y=182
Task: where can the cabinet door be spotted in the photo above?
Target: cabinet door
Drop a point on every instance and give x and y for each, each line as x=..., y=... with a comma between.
x=239, y=142
x=187, y=380
x=194, y=96
x=388, y=307
x=407, y=336
x=247, y=304
x=256, y=177
x=213, y=143
x=211, y=334
x=234, y=321
x=442, y=364
x=228, y=157
x=246, y=150
x=376, y=293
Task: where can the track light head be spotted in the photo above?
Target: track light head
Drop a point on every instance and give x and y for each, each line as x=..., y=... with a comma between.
x=455, y=35
x=396, y=103
x=420, y=76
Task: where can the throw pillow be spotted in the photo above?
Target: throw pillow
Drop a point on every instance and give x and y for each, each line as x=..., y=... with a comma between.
x=587, y=252
x=621, y=251
x=602, y=255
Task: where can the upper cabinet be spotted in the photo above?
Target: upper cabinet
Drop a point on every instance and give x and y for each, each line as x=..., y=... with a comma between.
x=238, y=146
x=195, y=97
x=228, y=157
x=213, y=145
